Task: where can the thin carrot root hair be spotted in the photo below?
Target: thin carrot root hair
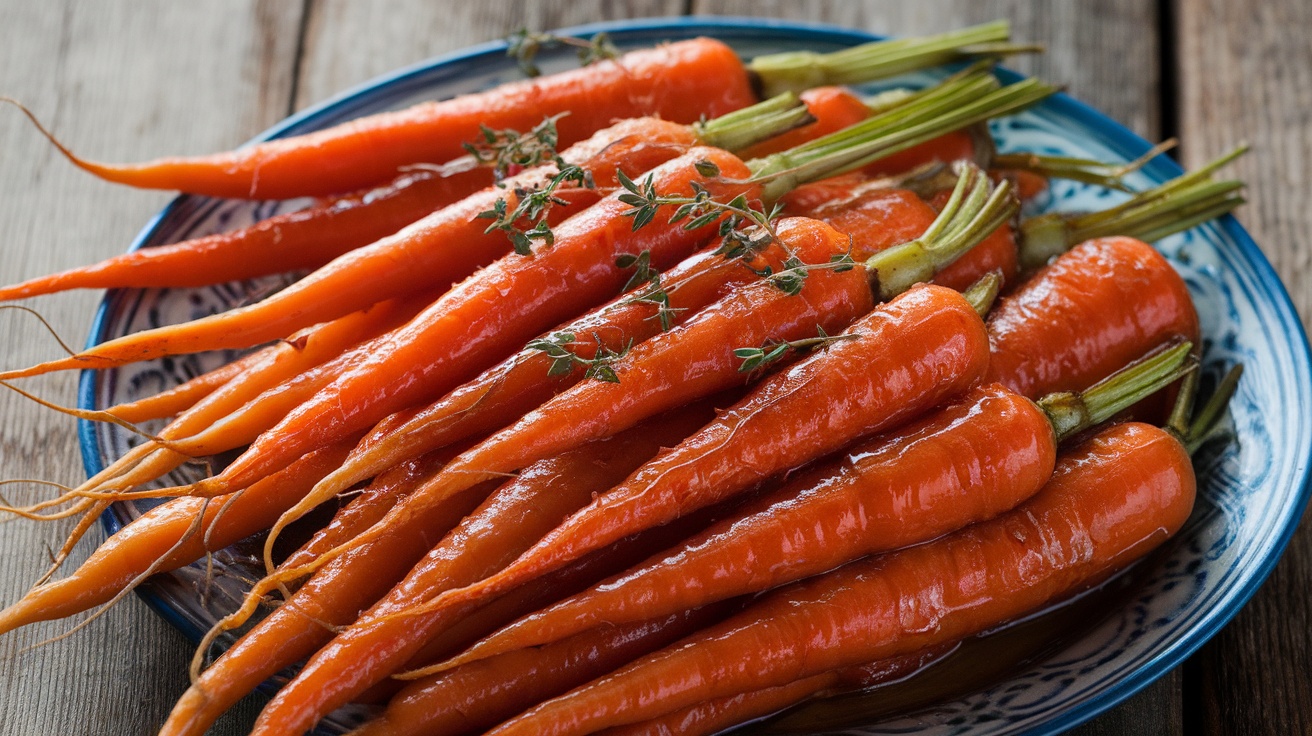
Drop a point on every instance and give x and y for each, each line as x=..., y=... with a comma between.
x=88, y=166
x=88, y=520
x=40, y=317
x=92, y=415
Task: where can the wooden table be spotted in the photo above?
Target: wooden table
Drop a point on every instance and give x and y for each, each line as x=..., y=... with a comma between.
x=130, y=80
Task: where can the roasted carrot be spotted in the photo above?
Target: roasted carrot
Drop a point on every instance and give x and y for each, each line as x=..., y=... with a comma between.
x=1111, y=500
x=943, y=349
x=481, y=695
x=681, y=81
x=170, y=536
x=538, y=498
x=1103, y=302
x=418, y=257
x=713, y=716
x=969, y=462
x=294, y=241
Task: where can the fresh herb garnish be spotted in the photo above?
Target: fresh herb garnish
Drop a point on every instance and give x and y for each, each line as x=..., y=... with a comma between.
x=525, y=45
x=557, y=346
x=773, y=350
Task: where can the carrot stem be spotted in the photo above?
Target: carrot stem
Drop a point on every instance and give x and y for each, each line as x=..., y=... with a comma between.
x=762, y=121
x=1169, y=208
x=1205, y=423
x=974, y=210
x=1072, y=413
x=1087, y=170
x=800, y=70
x=984, y=292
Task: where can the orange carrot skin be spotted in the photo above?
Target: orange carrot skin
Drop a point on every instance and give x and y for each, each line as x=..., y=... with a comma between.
x=293, y=241
x=833, y=108
x=268, y=366
x=1094, y=308
x=862, y=385
x=539, y=497
x=480, y=695
x=507, y=523
x=681, y=82
x=713, y=716
x=299, y=626
x=473, y=326
x=506, y=392
x=133, y=549
x=958, y=145
x=975, y=459
x=693, y=361
x=432, y=253
x=1112, y=499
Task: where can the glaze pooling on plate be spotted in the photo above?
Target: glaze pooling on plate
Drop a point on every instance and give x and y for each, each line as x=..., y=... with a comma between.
x=1251, y=491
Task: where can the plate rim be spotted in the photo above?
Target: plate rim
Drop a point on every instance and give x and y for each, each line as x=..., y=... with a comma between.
x=1117, y=135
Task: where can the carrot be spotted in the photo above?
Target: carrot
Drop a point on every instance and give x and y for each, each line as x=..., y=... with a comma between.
x=1111, y=500
x=713, y=716
x=538, y=498
x=681, y=81
x=1102, y=303
x=419, y=257
x=834, y=108
x=170, y=536
x=969, y=462
x=293, y=241
x=482, y=694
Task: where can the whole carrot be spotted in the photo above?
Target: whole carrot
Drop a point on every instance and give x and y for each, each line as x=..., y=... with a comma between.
x=482, y=694
x=943, y=349
x=1104, y=302
x=682, y=81
x=294, y=241
x=420, y=256
x=1110, y=501
x=167, y=537
x=537, y=499
x=969, y=462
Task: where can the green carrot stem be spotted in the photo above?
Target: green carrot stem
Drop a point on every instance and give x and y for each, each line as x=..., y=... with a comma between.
x=1087, y=170
x=969, y=102
x=1178, y=422
x=764, y=120
x=1072, y=413
x=973, y=211
x=1205, y=423
x=983, y=293
x=800, y=70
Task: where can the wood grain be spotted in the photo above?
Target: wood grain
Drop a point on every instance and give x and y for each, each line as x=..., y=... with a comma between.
x=1246, y=74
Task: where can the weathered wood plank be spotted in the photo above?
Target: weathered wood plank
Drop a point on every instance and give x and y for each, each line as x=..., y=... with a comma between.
x=349, y=42
x=118, y=81
x=1246, y=74
x=1107, y=55
x=1104, y=53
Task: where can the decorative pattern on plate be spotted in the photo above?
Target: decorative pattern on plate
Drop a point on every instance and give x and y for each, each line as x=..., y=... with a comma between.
x=1251, y=492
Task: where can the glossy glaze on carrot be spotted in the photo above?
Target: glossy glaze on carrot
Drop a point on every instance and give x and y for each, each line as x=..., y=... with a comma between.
x=1112, y=499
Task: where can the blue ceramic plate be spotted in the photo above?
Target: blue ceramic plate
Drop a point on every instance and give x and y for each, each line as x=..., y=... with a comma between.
x=1058, y=670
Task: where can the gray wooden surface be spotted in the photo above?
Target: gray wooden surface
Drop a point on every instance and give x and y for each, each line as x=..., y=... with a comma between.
x=129, y=80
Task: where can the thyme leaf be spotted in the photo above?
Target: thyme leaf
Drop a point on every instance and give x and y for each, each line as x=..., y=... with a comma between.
x=773, y=350
x=558, y=347
x=524, y=46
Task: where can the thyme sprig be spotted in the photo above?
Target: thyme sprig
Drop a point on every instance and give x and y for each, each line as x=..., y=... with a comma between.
x=774, y=350
x=509, y=148
x=508, y=151
x=745, y=229
x=792, y=276
x=557, y=346
x=653, y=292
x=524, y=46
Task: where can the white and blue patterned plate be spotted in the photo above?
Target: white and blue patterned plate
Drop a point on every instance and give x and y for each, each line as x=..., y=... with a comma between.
x=1120, y=638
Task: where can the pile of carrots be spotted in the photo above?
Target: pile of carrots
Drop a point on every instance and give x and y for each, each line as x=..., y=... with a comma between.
x=642, y=404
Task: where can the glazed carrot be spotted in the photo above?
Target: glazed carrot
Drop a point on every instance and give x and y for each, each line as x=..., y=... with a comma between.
x=482, y=694
x=834, y=108
x=969, y=462
x=682, y=81
x=177, y=399
x=713, y=716
x=1103, y=303
x=293, y=241
x=420, y=256
x=170, y=536
x=538, y=498
x=1111, y=500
